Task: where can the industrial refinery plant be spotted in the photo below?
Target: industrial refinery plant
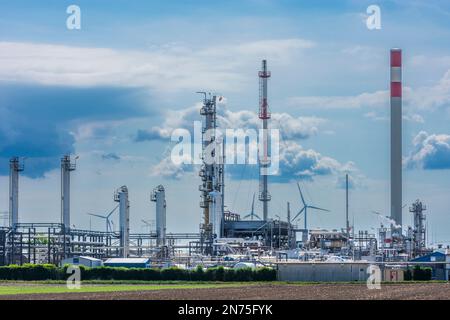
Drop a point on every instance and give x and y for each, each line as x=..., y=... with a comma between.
x=224, y=238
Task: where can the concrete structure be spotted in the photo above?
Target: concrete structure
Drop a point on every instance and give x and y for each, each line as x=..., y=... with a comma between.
x=159, y=197
x=15, y=166
x=396, y=138
x=127, y=263
x=393, y=275
x=67, y=166
x=83, y=261
x=121, y=196
x=264, y=160
x=323, y=271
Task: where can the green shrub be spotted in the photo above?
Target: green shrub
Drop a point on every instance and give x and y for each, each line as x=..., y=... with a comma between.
x=408, y=275
x=52, y=272
x=265, y=274
x=422, y=274
x=220, y=274
x=198, y=274
x=174, y=274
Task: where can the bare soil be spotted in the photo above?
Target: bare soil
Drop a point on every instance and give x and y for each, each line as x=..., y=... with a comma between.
x=426, y=291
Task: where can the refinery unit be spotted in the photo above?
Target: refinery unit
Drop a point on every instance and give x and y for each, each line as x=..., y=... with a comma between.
x=223, y=236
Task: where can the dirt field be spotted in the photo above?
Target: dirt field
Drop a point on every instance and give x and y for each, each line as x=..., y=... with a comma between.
x=438, y=291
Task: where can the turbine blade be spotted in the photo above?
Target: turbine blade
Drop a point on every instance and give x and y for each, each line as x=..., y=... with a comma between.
x=96, y=215
x=110, y=225
x=301, y=194
x=317, y=208
x=112, y=211
x=253, y=203
x=299, y=213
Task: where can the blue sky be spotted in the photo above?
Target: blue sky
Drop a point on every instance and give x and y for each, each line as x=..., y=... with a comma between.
x=135, y=67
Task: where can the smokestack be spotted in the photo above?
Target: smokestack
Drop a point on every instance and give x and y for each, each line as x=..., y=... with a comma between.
x=396, y=136
x=15, y=166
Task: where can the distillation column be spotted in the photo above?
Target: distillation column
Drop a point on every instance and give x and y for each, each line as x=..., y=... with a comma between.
x=264, y=161
x=419, y=231
x=396, y=139
x=14, y=168
x=121, y=196
x=211, y=173
x=67, y=166
x=159, y=197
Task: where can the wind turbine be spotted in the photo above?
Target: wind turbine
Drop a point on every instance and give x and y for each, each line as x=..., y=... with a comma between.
x=305, y=208
x=252, y=213
x=148, y=224
x=109, y=225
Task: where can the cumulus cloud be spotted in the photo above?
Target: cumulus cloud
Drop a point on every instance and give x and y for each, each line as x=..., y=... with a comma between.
x=295, y=162
x=298, y=163
x=166, y=168
x=431, y=152
x=290, y=127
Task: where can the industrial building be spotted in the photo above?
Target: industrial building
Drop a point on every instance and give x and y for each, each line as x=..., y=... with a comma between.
x=223, y=236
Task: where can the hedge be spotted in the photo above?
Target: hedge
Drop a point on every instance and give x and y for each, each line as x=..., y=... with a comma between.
x=51, y=272
x=418, y=274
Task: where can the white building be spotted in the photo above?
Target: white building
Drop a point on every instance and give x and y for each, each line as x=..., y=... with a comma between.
x=83, y=261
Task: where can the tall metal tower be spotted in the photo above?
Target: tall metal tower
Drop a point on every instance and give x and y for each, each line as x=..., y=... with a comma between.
x=67, y=166
x=396, y=138
x=15, y=166
x=264, y=161
x=347, y=221
x=212, y=174
x=419, y=232
x=159, y=197
x=121, y=196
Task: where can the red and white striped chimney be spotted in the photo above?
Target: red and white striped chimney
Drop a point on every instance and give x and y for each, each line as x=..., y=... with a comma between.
x=396, y=73
x=396, y=136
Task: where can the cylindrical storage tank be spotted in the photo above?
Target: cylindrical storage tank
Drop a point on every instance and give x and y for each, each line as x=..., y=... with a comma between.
x=215, y=213
x=159, y=197
x=121, y=196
